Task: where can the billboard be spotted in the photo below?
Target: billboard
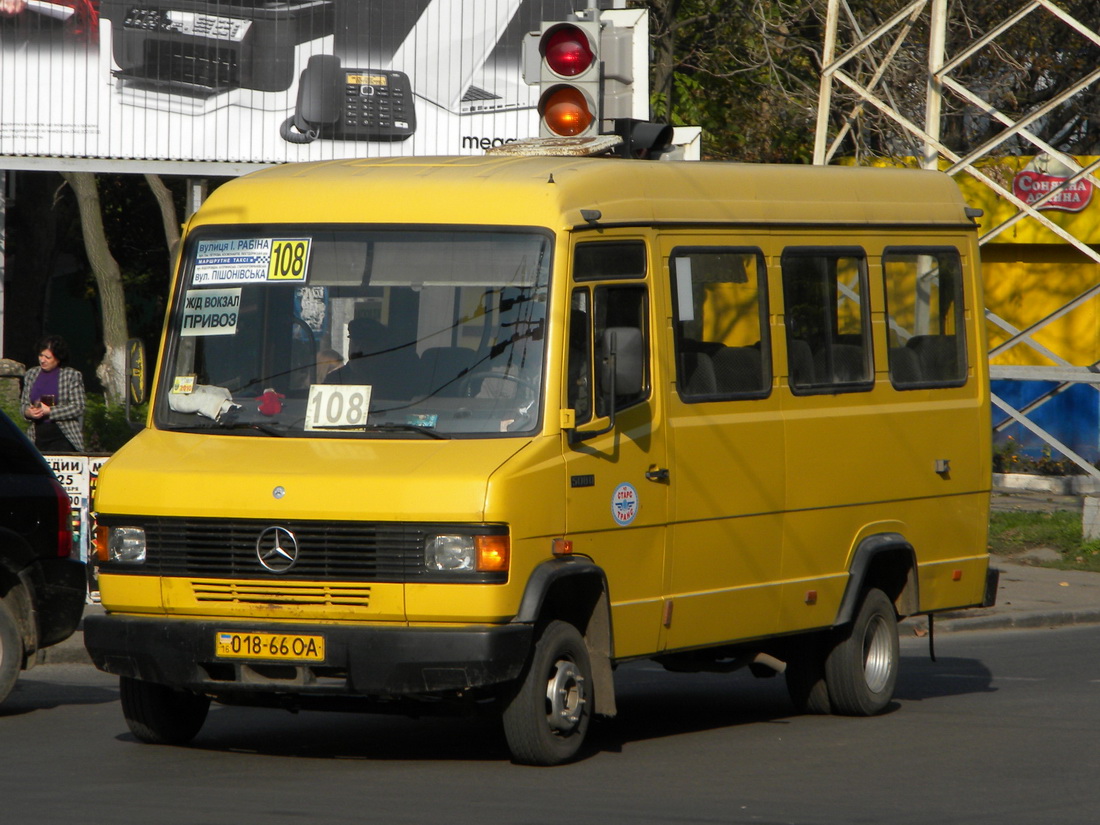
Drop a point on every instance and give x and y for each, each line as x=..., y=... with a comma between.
x=264, y=81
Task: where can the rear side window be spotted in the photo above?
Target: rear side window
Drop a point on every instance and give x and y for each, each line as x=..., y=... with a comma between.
x=720, y=305
x=826, y=312
x=924, y=302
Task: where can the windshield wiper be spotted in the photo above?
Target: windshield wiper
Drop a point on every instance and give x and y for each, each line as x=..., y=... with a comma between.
x=408, y=428
x=266, y=429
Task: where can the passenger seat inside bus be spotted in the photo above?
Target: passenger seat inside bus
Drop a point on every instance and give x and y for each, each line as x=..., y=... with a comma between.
x=938, y=356
x=444, y=369
x=379, y=360
x=738, y=370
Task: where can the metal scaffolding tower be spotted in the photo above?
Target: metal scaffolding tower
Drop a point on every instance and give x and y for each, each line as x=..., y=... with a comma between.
x=860, y=61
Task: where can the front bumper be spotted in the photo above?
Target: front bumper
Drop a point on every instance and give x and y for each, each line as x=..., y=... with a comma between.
x=368, y=661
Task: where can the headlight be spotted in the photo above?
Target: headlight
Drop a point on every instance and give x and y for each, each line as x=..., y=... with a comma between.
x=476, y=553
x=125, y=545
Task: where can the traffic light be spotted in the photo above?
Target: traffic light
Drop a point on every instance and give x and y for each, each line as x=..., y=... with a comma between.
x=569, y=75
x=591, y=69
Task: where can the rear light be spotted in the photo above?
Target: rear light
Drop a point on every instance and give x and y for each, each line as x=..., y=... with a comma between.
x=64, y=521
x=567, y=51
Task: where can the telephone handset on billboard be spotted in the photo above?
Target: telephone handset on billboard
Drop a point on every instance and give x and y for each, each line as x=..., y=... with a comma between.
x=350, y=104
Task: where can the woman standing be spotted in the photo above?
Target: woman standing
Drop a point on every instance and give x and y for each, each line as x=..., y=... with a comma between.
x=53, y=399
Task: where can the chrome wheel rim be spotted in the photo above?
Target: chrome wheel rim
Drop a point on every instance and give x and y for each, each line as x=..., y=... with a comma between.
x=565, y=697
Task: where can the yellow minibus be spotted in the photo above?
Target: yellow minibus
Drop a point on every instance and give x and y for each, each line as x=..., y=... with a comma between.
x=465, y=434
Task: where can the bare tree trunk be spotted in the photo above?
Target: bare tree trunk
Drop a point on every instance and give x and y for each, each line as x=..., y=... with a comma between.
x=112, y=369
x=664, y=47
x=167, y=213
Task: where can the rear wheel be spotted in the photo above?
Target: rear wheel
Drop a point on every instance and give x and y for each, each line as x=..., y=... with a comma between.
x=862, y=668
x=547, y=719
x=805, y=675
x=161, y=715
x=11, y=651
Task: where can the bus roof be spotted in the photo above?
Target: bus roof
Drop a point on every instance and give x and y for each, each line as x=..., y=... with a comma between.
x=553, y=191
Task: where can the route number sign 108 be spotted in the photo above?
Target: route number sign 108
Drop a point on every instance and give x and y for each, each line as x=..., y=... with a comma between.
x=337, y=406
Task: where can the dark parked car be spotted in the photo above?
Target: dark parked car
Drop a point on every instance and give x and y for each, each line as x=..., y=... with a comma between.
x=42, y=588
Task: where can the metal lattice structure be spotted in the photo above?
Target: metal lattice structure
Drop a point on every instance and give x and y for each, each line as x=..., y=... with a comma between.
x=860, y=62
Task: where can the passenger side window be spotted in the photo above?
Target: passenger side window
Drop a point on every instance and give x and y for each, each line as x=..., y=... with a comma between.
x=719, y=299
x=924, y=303
x=826, y=312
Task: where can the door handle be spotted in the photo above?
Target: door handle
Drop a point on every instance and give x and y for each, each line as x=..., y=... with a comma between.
x=659, y=474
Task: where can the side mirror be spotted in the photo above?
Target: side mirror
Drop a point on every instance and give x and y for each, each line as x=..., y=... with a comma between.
x=622, y=372
x=135, y=374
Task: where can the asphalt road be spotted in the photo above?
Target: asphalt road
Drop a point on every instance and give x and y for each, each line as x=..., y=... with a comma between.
x=1002, y=729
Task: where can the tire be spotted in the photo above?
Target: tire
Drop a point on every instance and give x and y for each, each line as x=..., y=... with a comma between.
x=11, y=651
x=861, y=670
x=160, y=715
x=805, y=675
x=546, y=720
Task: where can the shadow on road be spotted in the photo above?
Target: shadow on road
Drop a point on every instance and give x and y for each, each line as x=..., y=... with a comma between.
x=39, y=693
x=652, y=703
x=921, y=678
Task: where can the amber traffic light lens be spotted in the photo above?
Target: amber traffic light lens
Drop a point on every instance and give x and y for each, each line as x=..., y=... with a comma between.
x=565, y=111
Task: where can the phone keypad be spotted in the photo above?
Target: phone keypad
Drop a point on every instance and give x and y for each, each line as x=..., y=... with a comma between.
x=377, y=103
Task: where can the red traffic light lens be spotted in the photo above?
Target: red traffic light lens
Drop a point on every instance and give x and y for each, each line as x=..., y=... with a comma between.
x=567, y=51
x=565, y=111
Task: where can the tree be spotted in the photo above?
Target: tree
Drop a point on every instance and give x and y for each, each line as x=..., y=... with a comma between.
x=1024, y=69
x=746, y=71
x=112, y=300
x=109, y=278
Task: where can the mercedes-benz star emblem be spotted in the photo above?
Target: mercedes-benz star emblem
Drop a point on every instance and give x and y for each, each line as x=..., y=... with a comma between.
x=277, y=549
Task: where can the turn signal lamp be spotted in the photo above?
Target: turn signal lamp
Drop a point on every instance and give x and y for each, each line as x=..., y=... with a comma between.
x=492, y=553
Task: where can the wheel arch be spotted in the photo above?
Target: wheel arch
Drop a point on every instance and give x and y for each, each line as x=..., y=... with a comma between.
x=886, y=561
x=574, y=589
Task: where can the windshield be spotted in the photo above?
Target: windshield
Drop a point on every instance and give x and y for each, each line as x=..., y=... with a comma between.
x=346, y=332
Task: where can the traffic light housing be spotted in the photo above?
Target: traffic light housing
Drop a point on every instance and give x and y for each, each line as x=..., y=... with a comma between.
x=569, y=76
x=592, y=72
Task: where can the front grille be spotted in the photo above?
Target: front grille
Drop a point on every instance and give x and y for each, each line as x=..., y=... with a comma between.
x=296, y=593
x=345, y=551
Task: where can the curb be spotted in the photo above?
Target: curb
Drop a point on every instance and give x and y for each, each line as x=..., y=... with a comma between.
x=72, y=652
x=954, y=623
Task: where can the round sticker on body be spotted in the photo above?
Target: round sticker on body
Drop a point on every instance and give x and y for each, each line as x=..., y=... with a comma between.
x=624, y=504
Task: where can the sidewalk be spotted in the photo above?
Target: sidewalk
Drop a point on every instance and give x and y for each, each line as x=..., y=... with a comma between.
x=1028, y=595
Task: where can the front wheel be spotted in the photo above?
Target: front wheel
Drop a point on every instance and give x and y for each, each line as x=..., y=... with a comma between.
x=862, y=668
x=161, y=715
x=547, y=719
